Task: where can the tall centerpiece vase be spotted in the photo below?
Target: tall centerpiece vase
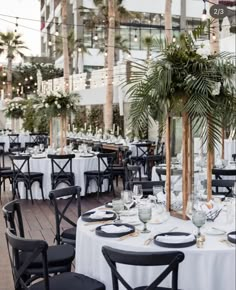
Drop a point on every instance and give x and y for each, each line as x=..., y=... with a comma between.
x=58, y=127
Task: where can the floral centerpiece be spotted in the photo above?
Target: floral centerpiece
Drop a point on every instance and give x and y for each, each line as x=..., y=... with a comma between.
x=59, y=104
x=15, y=110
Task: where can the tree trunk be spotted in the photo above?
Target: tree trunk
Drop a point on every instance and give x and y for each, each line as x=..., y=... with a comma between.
x=9, y=78
x=183, y=16
x=168, y=21
x=108, y=113
x=65, y=44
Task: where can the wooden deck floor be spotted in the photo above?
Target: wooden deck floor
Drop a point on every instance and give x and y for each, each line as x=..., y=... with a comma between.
x=39, y=223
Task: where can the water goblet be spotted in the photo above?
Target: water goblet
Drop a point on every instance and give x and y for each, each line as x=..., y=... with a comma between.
x=156, y=190
x=41, y=147
x=118, y=206
x=145, y=215
x=127, y=198
x=137, y=192
x=198, y=219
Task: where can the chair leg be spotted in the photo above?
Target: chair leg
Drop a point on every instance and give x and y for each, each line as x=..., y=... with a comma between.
x=31, y=195
x=41, y=187
x=86, y=185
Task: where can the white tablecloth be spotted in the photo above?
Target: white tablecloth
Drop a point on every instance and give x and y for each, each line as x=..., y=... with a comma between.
x=209, y=268
x=79, y=166
x=22, y=139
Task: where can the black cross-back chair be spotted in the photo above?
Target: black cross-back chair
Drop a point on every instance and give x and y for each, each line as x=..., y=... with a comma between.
x=2, y=153
x=27, y=177
x=13, y=138
x=171, y=259
x=106, y=160
x=219, y=174
x=59, y=173
x=142, y=151
x=59, y=257
x=73, y=196
x=234, y=157
x=37, y=249
x=152, y=160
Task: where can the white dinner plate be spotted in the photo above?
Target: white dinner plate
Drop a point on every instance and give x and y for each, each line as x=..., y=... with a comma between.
x=214, y=232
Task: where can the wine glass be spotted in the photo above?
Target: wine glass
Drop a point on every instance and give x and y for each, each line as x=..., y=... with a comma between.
x=128, y=199
x=118, y=206
x=198, y=219
x=137, y=192
x=156, y=190
x=41, y=147
x=145, y=214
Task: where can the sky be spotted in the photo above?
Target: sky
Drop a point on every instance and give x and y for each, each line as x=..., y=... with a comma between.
x=22, y=9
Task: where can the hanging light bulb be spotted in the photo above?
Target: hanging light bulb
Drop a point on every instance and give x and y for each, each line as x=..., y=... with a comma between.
x=204, y=12
x=105, y=53
x=31, y=77
x=213, y=37
x=56, y=33
x=174, y=39
x=79, y=49
x=49, y=43
x=135, y=37
x=26, y=79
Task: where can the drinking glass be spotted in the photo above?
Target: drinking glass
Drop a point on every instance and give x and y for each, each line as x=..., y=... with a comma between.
x=156, y=190
x=137, y=192
x=145, y=214
x=118, y=206
x=41, y=147
x=127, y=199
x=234, y=190
x=198, y=219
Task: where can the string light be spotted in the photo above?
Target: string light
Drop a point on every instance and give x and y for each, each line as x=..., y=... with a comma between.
x=79, y=49
x=26, y=79
x=31, y=77
x=213, y=37
x=16, y=25
x=95, y=37
x=174, y=39
x=4, y=74
x=204, y=12
x=49, y=43
x=105, y=53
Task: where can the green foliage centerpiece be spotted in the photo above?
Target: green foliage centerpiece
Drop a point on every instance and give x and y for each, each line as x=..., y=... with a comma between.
x=185, y=80
x=15, y=109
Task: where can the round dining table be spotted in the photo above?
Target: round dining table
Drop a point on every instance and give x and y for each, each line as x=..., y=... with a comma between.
x=211, y=267
x=80, y=164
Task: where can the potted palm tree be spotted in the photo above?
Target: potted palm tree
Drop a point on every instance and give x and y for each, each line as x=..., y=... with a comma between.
x=185, y=80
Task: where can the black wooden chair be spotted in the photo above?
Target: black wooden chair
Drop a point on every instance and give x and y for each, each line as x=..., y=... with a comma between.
x=39, y=138
x=142, y=151
x=5, y=171
x=20, y=163
x=2, y=153
x=220, y=182
x=170, y=259
x=62, y=169
x=35, y=250
x=13, y=138
x=151, y=161
x=234, y=157
x=60, y=257
x=73, y=196
x=147, y=186
x=106, y=160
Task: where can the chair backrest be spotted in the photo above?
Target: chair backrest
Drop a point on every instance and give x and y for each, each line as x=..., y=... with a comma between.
x=34, y=248
x=171, y=259
x=13, y=138
x=73, y=194
x=20, y=166
x=30, y=144
x=132, y=172
x=13, y=217
x=223, y=172
x=152, y=160
x=234, y=157
x=106, y=160
x=13, y=145
x=143, y=149
x=2, y=154
x=60, y=168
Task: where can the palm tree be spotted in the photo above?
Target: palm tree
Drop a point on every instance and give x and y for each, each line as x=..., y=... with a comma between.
x=65, y=44
x=12, y=45
x=181, y=82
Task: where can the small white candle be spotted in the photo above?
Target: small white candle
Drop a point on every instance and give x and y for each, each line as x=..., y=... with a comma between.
x=114, y=126
x=85, y=126
x=118, y=130
x=90, y=127
x=96, y=129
